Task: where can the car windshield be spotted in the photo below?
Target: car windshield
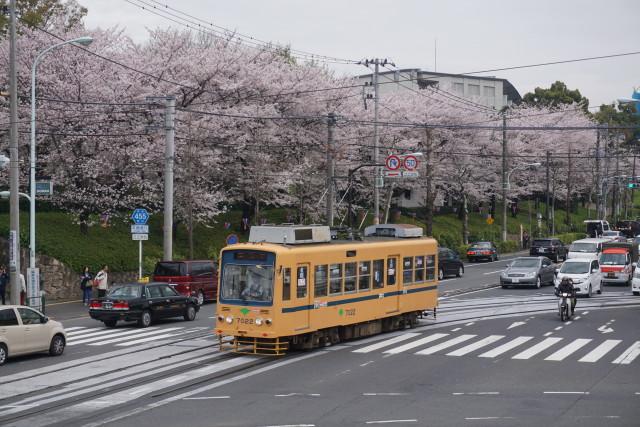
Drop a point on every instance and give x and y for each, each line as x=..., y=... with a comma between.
x=170, y=269
x=525, y=263
x=481, y=245
x=575, y=267
x=583, y=247
x=613, y=259
x=247, y=282
x=541, y=243
x=125, y=292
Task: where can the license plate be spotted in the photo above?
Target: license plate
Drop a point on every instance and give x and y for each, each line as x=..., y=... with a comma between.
x=611, y=275
x=515, y=280
x=107, y=305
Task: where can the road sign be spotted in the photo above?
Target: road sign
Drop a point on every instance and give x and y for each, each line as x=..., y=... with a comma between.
x=393, y=162
x=410, y=163
x=139, y=229
x=44, y=188
x=490, y=220
x=140, y=216
x=139, y=236
x=392, y=174
x=232, y=239
x=410, y=174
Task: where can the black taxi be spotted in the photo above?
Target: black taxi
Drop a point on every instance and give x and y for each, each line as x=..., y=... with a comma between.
x=143, y=303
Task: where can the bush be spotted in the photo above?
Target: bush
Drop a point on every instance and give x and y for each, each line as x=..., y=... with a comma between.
x=567, y=238
x=508, y=246
x=447, y=240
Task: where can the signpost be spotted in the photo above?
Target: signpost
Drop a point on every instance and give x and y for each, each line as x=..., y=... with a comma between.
x=401, y=166
x=140, y=232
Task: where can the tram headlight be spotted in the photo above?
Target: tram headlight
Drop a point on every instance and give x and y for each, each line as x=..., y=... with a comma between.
x=258, y=321
x=220, y=318
x=268, y=321
x=229, y=319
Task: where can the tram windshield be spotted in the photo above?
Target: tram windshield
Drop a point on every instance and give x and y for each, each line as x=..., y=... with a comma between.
x=251, y=282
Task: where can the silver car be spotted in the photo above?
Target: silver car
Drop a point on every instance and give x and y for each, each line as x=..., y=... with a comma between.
x=528, y=271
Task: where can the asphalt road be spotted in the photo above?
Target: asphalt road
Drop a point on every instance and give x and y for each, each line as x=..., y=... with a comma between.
x=491, y=357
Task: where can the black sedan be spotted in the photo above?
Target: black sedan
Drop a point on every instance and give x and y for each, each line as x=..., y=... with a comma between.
x=482, y=250
x=449, y=264
x=142, y=303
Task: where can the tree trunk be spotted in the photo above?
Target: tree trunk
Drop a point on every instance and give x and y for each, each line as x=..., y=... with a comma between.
x=388, y=202
x=429, y=199
x=567, y=219
x=465, y=219
x=84, y=227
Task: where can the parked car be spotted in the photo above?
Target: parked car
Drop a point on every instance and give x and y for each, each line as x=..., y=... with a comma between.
x=143, y=303
x=532, y=271
x=449, y=263
x=482, y=250
x=585, y=274
x=24, y=330
x=197, y=278
x=549, y=247
x=614, y=236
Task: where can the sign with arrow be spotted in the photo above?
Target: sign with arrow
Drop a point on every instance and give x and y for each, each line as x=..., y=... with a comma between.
x=605, y=329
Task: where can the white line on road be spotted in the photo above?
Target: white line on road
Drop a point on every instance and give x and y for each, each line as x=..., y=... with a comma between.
x=569, y=349
x=506, y=347
x=493, y=272
x=584, y=313
x=488, y=418
x=548, y=333
x=477, y=393
x=558, y=328
x=541, y=346
x=449, y=343
x=385, y=394
x=206, y=397
x=597, y=353
x=629, y=354
x=416, y=343
x=293, y=425
x=455, y=329
x=386, y=343
x=476, y=345
x=565, y=392
x=366, y=363
x=392, y=421
x=470, y=323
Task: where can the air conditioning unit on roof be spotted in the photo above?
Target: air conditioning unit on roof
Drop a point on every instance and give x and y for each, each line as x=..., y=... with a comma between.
x=290, y=234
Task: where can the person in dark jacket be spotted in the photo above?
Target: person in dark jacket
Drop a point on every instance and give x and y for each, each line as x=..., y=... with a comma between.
x=85, y=285
x=566, y=286
x=4, y=279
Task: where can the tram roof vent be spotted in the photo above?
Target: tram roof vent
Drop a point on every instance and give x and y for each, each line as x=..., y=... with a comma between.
x=290, y=234
x=393, y=230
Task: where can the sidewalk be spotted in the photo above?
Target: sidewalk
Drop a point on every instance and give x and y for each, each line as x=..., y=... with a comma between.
x=66, y=310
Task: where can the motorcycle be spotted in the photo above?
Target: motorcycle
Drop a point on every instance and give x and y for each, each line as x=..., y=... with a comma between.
x=564, y=306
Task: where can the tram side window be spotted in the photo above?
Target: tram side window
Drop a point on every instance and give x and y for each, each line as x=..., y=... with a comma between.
x=378, y=274
x=364, y=275
x=335, y=278
x=431, y=267
x=350, y=277
x=286, y=285
x=407, y=270
x=419, y=277
x=320, y=281
x=391, y=271
x=301, y=288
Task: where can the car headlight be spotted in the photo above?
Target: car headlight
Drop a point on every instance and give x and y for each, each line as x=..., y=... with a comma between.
x=576, y=281
x=531, y=275
x=229, y=319
x=503, y=274
x=258, y=321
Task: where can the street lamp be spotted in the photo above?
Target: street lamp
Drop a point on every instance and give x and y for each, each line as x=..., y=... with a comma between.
x=507, y=187
x=32, y=290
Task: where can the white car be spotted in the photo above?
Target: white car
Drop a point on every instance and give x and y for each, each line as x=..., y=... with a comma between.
x=635, y=282
x=24, y=330
x=585, y=274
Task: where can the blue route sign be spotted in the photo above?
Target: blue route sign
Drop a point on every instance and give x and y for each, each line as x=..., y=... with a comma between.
x=140, y=216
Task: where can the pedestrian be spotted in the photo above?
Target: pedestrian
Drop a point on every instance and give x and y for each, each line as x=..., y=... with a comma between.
x=4, y=279
x=85, y=285
x=525, y=239
x=23, y=289
x=100, y=281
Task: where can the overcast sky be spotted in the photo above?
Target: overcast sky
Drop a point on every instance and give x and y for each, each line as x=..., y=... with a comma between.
x=472, y=35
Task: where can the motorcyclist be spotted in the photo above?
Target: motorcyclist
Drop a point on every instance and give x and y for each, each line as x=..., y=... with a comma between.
x=566, y=286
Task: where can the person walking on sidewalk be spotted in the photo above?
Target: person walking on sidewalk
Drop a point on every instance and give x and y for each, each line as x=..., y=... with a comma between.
x=85, y=285
x=100, y=281
x=4, y=279
x=23, y=289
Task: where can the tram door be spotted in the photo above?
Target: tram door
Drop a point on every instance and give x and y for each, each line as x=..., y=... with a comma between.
x=393, y=284
x=303, y=294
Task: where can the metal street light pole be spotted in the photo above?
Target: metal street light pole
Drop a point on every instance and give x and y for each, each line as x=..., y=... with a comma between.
x=14, y=169
x=33, y=291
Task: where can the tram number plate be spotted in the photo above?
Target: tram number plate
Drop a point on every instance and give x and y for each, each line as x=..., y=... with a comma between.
x=350, y=312
x=245, y=321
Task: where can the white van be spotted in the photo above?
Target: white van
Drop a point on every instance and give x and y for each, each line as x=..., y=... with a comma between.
x=586, y=248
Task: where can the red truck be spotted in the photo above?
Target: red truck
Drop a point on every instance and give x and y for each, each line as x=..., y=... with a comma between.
x=617, y=262
x=197, y=278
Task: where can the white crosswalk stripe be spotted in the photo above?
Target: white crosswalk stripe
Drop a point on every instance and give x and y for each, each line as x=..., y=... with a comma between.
x=506, y=347
x=629, y=354
x=569, y=349
x=104, y=335
x=74, y=328
x=83, y=331
x=446, y=344
x=386, y=343
x=415, y=344
x=476, y=345
x=541, y=346
x=598, y=352
x=142, y=340
x=135, y=337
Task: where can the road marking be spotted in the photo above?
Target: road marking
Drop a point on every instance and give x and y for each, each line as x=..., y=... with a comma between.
x=86, y=331
x=577, y=318
x=366, y=363
x=455, y=330
x=108, y=335
x=488, y=418
x=386, y=343
x=569, y=349
x=493, y=272
x=392, y=421
x=150, y=336
x=516, y=324
x=584, y=313
x=548, y=333
x=629, y=354
x=385, y=394
x=506, y=347
x=565, y=392
x=558, y=328
x=470, y=323
x=73, y=328
x=476, y=345
x=597, y=353
x=416, y=343
x=477, y=393
x=206, y=397
x=292, y=425
x=532, y=351
x=605, y=329
x=568, y=322
x=446, y=344
x=135, y=334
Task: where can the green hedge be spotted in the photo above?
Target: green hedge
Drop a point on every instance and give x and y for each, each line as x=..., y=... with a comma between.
x=567, y=238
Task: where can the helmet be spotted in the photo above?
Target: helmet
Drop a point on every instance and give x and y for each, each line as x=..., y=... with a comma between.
x=567, y=281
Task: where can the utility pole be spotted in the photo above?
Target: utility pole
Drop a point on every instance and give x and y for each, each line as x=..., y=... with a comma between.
x=568, y=204
x=14, y=171
x=598, y=184
x=504, y=175
x=547, y=211
x=615, y=209
x=376, y=143
x=331, y=122
x=169, y=152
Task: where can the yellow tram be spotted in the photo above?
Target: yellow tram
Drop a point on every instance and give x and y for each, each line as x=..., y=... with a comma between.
x=292, y=287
